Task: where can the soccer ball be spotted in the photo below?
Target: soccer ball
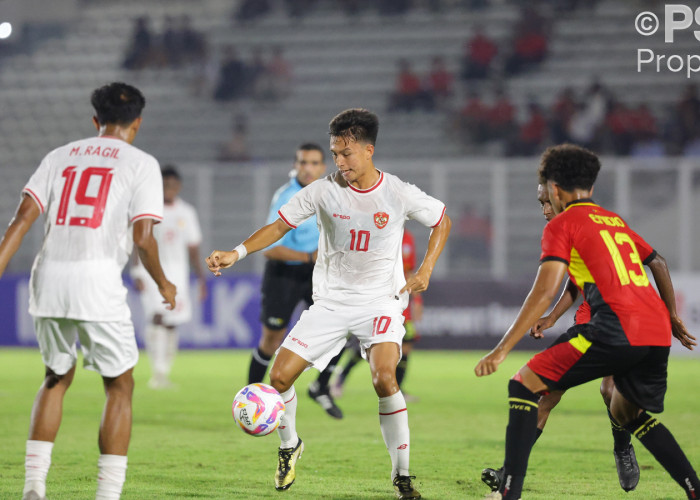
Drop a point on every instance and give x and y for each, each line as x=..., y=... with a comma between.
x=258, y=409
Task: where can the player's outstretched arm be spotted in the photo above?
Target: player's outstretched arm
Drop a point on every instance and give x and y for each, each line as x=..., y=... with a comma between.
x=27, y=212
x=438, y=237
x=566, y=300
x=262, y=238
x=663, y=282
x=147, y=248
x=544, y=289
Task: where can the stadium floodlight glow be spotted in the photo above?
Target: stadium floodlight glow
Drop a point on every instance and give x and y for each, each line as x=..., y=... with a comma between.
x=5, y=30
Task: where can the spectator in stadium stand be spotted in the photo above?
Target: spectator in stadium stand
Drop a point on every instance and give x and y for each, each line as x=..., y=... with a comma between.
x=139, y=51
x=688, y=113
x=561, y=112
x=250, y=10
x=692, y=148
x=472, y=119
x=231, y=82
x=280, y=74
x=194, y=43
x=353, y=7
x=529, y=45
x=297, y=9
x=531, y=134
x=172, y=43
x=408, y=93
x=256, y=76
x=479, y=52
x=440, y=82
x=236, y=149
x=500, y=118
x=392, y=7
x=619, y=125
x=586, y=123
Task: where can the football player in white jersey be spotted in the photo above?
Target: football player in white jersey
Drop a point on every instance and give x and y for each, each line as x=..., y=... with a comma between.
x=358, y=282
x=178, y=237
x=100, y=196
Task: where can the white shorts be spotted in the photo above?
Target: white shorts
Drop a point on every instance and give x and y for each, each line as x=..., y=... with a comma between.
x=321, y=331
x=109, y=347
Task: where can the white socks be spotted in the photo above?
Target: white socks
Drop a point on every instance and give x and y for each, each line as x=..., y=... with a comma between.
x=36, y=465
x=111, y=476
x=112, y=471
x=161, y=345
x=288, y=425
x=393, y=420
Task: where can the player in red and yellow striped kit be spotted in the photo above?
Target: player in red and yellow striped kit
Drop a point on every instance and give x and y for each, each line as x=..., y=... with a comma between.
x=628, y=335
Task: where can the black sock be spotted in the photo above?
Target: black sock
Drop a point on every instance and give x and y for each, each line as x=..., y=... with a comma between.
x=259, y=362
x=661, y=443
x=538, y=433
x=325, y=376
x=348, y=367
x=401, y=369
x=520, y=436
x=621, y=436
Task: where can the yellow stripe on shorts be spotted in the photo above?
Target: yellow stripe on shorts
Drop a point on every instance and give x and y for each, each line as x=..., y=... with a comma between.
x=581, y=343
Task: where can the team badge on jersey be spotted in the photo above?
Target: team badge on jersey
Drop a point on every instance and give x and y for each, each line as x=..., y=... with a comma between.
x=381, y=219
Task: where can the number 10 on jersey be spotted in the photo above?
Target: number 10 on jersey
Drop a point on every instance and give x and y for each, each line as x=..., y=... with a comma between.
x=359, y=240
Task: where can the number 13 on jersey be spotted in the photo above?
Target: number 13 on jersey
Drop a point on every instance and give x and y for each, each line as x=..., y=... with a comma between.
x=81, y=197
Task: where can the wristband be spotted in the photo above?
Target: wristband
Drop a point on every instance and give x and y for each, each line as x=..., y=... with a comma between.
x=242, y=252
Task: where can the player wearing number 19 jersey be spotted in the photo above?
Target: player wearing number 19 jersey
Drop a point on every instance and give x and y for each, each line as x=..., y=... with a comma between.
x=628, y=335
x=100, y=196
x=358, y=282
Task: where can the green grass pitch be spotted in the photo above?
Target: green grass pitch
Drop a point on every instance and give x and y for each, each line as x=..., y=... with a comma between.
x=185, y=445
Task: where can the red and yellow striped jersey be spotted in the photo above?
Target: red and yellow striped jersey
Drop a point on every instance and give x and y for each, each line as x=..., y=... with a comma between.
x=606, y=261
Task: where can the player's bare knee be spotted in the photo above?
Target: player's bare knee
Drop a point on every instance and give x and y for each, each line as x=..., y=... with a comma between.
x=52, y=379
x=606, y=390
x=384, y=382
x=279, y=380
x=122, y=385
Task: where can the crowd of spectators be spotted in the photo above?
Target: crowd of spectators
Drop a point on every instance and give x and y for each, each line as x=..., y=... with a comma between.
x=429, y=92
x=524, y=50
x=596, y=119
x=179, y=44
x=261, y=78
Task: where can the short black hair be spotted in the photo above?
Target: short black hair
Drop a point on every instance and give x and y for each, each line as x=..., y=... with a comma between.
x=170, y=171
x=357, y=123
x=570, y=166
x=117, y=103
x=312, y=146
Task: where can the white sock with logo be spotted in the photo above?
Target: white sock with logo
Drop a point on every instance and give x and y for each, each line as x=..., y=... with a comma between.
x=288, y=425
x=36, y=466
x=111, y=476
x=393, y=421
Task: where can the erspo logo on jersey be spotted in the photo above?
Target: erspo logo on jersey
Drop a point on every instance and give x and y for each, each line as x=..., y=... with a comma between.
x=381, y=219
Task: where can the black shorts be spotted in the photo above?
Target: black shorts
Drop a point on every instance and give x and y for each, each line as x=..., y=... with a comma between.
x=283, y=287
x=577, y=357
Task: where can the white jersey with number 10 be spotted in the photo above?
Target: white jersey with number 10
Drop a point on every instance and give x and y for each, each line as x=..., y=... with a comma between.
x=359, y=252
x=91, y=192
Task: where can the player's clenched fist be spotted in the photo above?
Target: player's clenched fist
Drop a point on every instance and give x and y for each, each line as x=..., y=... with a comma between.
x=489, y=363
x=220, y=259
